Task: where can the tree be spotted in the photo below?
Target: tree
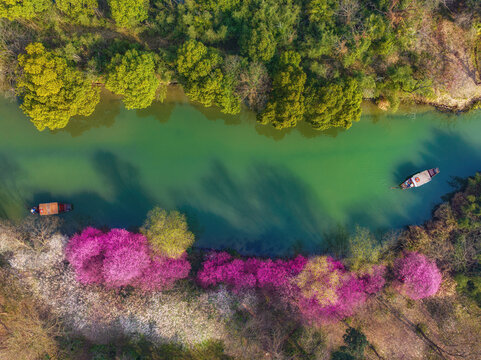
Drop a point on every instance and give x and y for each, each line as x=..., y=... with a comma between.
x=129, y=13
x=133, y=75
x=254, y=85
x=78, y=10
x=167, y=233
x=203, y=78
x=320, y=279
x=51, y=91
x=356, y=343
x=268, y=25
x=286, y=105
x=417, y=276
x=22, y=9
x=334, y=105
x=120, y=258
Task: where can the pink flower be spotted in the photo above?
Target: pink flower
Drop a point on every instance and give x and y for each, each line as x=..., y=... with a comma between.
x=120, y=258
x=417, y=277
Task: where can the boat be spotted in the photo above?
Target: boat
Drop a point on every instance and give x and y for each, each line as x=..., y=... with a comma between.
x=419, y=179
x=52, y=208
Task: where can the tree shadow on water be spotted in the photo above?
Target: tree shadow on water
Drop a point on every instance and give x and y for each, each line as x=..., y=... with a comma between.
x=11, y=200
x=104, y=116
x=161, y=111
x=269, y=212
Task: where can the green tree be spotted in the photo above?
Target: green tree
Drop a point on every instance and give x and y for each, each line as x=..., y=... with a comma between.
x=400, y=82
x=133, y=75
x=333, y=105
x=22, y=9
x=356, y=343
x=78, y=10
x=266, y=26
x=203, y=78
x=167, y=233
x=286, y=105
x=51, y=91
x=129, y=13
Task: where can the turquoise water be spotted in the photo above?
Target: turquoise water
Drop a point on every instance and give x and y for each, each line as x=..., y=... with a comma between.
x=242, y=185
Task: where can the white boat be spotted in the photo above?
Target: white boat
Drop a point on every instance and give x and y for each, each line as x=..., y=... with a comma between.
x=419, y=179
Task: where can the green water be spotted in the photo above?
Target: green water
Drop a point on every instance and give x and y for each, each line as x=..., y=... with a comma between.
x=243, y=186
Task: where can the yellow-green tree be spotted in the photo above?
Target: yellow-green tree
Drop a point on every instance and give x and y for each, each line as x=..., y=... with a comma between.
x=167, y=232
x=286, y=104
x=22, y=9
x=51, y=91
x=78, y=10
x=133, y=75
x=129, y=13
x=203, y=79
x=333, y=105
x=320, y=280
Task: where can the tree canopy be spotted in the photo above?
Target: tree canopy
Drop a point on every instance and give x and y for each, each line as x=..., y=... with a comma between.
x=78, y=10
x=333, y=105
x=286, y=106
x=22, y=9
x=167, y=233
x=52, y=91
x=129, y=13
x=204, y=79
x=133, y=75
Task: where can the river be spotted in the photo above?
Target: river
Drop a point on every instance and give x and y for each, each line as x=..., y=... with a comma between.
x=242, y=185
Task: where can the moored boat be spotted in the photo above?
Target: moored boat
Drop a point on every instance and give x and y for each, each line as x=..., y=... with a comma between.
x=52, y=208
x=419, y=179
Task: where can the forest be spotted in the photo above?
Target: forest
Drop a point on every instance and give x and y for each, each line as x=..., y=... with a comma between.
x=288, y=60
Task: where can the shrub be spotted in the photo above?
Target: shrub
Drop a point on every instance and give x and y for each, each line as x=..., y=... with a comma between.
x=120, y=258
x=167, y=233
x=417, y=276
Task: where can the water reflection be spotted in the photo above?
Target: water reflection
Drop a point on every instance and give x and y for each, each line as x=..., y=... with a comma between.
x=104, y=116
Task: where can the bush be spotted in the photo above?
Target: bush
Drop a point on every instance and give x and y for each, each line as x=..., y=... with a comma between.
x=417, y=276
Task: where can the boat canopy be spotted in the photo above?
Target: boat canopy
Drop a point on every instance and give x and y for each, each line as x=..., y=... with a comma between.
x=48, y=208
x=421, y=178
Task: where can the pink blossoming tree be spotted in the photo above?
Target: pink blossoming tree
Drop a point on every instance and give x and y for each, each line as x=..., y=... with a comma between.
x=321, y=288
x=250, y=273
x=120, y=258
x=417, y=277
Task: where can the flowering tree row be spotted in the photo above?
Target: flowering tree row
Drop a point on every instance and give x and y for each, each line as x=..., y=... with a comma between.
x=321, y=289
